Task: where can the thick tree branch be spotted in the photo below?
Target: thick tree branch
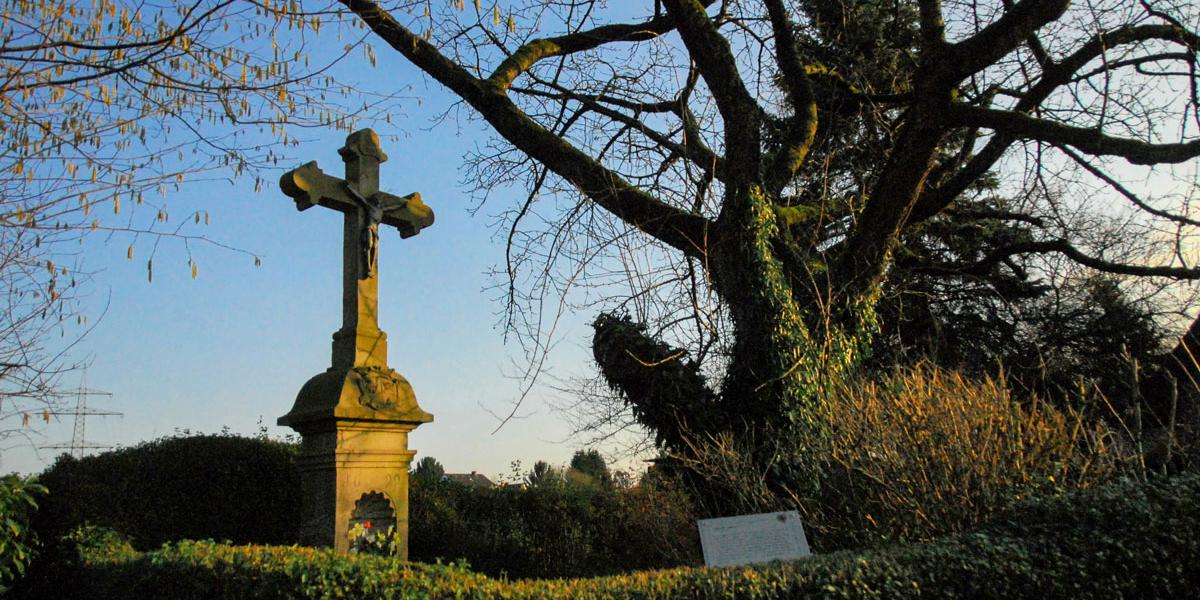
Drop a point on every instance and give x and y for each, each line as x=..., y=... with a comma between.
x=999, y=215
x=1056, y=75
x=530, y=53
x=933, y=27
x=1065, y=248
x=864, y=257
x=802, y=129
x=1138, y=63
x=1002, y=36
x=1086, y=140
x=717, y=65
x=681, y=230
x=700, y=155
x=660, y=383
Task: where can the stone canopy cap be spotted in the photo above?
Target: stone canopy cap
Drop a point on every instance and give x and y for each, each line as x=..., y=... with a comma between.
x=376, y=394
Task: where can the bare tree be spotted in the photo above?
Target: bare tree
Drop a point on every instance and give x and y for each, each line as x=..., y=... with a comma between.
x=107, y=107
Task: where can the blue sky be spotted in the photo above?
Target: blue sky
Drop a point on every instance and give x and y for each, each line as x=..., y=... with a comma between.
x=232, y=347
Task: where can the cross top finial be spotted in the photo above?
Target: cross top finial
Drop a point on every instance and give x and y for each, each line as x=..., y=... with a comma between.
x=362, y=143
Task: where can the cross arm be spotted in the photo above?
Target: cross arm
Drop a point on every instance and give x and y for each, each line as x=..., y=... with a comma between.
x=408, y=213
x=308, y=185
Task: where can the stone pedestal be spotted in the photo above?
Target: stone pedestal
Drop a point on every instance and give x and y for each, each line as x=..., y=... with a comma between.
x=354, y=455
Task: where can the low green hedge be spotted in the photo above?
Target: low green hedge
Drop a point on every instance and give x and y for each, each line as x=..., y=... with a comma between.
x=1128, y=540
x=224, y=487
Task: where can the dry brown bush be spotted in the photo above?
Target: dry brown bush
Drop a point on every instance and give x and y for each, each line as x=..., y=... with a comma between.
x=919, y=453
x=927, y=451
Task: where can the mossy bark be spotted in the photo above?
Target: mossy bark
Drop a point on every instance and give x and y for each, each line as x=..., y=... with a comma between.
x=792, y=335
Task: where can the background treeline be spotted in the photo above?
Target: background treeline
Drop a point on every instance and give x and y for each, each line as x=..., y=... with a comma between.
x=577, y=521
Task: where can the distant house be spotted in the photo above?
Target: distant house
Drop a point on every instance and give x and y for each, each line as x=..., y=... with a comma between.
x=473, y=478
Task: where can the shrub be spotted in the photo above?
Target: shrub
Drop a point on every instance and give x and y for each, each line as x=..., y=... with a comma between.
x=18, y=540
x=925, y=452
x=428, y=470
x=1130, y=540
x=70, y=554
x=917, y=454
x=222, y=487
x=566, y=529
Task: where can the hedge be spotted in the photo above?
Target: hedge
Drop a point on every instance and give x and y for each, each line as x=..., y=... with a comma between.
x=223, y=487
x=568, y=529
x=1127, y=540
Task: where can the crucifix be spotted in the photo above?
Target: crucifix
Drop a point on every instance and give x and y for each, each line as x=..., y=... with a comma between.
x=360, y=342
x=355, y=417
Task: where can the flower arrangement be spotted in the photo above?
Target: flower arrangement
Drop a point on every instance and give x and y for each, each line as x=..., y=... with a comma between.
x=366, y=538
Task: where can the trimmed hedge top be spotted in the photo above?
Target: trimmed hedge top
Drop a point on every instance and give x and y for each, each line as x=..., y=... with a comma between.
x=1128, y=540
x=225, y=487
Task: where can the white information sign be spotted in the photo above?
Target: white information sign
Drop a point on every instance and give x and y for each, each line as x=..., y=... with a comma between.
x=750, y=539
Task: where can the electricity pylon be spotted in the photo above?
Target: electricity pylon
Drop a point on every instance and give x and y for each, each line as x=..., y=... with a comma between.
x=79, y=444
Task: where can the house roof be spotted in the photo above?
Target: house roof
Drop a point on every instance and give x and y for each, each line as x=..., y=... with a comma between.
x=472, y=478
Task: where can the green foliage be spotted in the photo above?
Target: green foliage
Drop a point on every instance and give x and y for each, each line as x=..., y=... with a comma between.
x=1130, y=540
x=590, y=464
x=428, y=470
x=221, y=487
x=68, y=554
x=18, y=540
x=543, y=475
x=559, y=528
x=92, y=542
x=1047, y=335
x=659, y=382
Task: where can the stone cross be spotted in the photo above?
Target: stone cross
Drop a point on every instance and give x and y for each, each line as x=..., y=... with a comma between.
x=354, y=418
x=360, y=342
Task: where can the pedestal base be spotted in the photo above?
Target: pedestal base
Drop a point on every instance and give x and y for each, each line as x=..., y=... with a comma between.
x=354, y=455
x=345, y=473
